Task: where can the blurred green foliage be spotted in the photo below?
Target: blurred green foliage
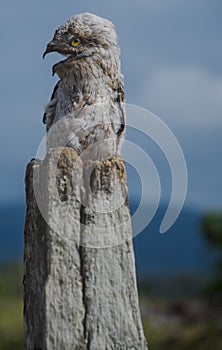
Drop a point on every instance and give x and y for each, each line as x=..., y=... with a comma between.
x=193, y=336
x=212, y=226
x=180, y=321
x=11, y=323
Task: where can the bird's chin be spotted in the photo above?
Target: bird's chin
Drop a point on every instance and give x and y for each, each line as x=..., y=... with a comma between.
x=69, y=61
x=66, y=61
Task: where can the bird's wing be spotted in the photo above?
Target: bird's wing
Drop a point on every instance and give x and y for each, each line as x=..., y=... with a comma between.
x=49, y=115
x=119, y=99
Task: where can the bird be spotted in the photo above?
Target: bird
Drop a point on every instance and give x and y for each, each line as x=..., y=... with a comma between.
x=87, y=107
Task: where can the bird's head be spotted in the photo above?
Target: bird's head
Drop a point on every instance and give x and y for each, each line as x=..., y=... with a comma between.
x=84, y=36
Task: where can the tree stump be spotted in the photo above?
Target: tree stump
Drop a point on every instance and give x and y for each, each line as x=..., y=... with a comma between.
x=79, y=272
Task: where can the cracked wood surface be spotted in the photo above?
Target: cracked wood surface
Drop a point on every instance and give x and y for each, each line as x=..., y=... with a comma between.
x=79, y=273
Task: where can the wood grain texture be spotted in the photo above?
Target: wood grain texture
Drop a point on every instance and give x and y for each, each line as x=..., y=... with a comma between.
x=79, y=273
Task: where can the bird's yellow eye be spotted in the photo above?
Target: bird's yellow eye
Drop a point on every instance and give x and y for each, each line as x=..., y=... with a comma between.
x=74, y=42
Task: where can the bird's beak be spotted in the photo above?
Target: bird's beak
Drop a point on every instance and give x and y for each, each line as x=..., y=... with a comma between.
x=55, y=46
x=50, y=48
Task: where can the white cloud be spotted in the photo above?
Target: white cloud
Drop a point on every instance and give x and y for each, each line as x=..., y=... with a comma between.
x=186, y=96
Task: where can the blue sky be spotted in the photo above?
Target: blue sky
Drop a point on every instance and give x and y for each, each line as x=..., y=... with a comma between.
x=171, y=59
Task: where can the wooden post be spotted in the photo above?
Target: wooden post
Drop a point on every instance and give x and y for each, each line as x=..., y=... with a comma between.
x=79, y=274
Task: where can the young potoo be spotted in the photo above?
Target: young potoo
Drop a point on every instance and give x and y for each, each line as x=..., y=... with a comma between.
x=86, y=110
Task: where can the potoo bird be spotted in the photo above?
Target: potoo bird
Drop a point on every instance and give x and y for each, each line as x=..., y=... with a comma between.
x=87, y=103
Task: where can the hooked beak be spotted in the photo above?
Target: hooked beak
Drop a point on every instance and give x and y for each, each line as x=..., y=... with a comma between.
x=54, y=46
x=50, y=48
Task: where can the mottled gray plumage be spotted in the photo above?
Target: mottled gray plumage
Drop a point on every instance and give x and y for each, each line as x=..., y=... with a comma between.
x=90, y=91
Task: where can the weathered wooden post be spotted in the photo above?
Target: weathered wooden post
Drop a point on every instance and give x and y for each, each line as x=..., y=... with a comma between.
x=79, y=275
